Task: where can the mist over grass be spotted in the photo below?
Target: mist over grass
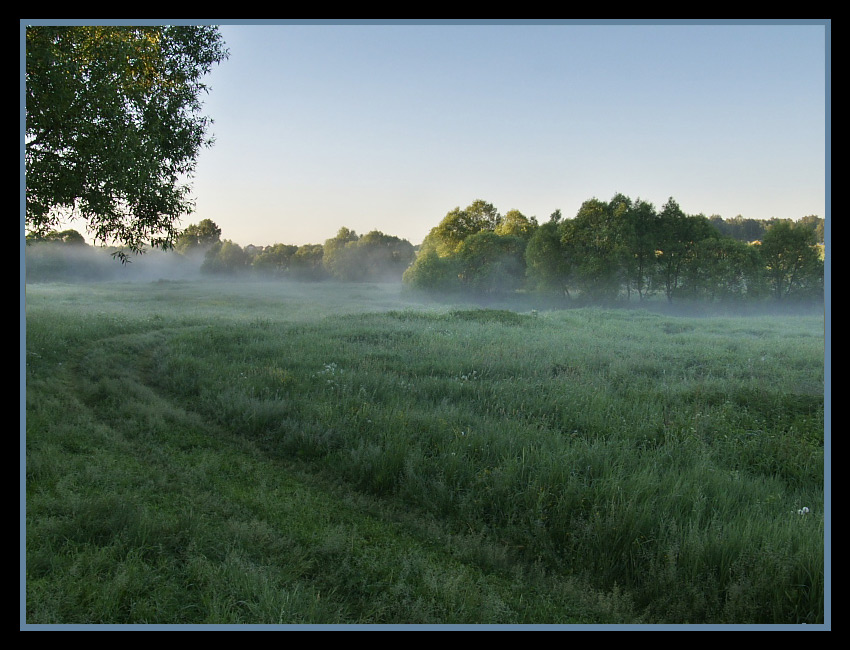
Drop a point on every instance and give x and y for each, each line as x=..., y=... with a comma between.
x=253, y=452
x=59, y=262
x=48, y=262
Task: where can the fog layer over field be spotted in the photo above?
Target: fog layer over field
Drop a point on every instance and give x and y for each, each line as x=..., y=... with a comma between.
x=52, y=262
x=56, y=262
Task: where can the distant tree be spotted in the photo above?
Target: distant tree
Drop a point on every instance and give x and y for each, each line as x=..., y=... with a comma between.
x=484, y=213
x=752, y=229
x=374, y=257
x=459, y=224
x=70, y=236
x=433, y=273
x=515, y=223
x=491, y=263
x=816, y=224
x=749, y=230
x=335, y=258
x=275, y=260
x=672, y=244
x=746, y=230
x=253, y=251
x=791, y=260
x=306, y=263
x=595, y=241
x=384, y=257
x=720, y=223
x=225, y=257
x=113, y=127
x=723, y=268
x=548, y=264
x=343, y=236
x=677, y=240
x=198, y=238
x=640, y=233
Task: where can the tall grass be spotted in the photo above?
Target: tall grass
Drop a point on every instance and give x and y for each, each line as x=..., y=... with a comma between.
x=661, y=460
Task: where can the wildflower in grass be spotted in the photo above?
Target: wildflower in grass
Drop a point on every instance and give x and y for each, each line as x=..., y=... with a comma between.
x=329, y=369
x=803, y=511
x=330, y=372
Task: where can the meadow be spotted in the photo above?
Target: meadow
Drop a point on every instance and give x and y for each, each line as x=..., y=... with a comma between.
x=263, y=453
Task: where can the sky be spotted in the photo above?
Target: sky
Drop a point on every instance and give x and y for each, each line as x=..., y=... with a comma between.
x=391, y=126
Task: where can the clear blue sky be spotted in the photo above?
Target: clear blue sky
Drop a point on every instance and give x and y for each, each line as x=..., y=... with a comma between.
x=390, y=126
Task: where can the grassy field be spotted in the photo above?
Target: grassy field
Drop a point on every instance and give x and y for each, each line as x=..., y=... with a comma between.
x=267, y=454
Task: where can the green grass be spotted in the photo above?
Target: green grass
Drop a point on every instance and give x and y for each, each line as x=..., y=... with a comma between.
x=258, y=453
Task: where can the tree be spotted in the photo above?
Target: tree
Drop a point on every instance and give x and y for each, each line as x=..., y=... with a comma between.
x=723, y=268
x=672, y=243
x=72, y=237
x=548, y=265
x=225, y=257
x=791, y=260
x=374, y=257
x=335, y=256
x=594, y=240
x=491, y=263
x=383, y=257
x=198, y=237
x=815, y=223
x=275, y=260
x=113, y=127
x=459, y=224
x=517, y=224
x=641, y=236
x=678, y=235
x=432, y=273
x=306, y=263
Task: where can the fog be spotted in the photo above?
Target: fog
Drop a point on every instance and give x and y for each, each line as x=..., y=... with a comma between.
x=58, y=262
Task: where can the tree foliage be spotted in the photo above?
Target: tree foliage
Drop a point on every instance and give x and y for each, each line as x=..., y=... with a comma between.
x=433, y=273
x=334, y=257
x=594, y=240
x=225, y=258
x=491, y=263
x=515, y=223
x=613, y=249
x=114, y=128
x=641, y=231
x=306, y=263
x=275, y=260
x=547, y=260
x=374, y=257
x=791, y=260
x=70, y=236
x=198, y=237
x=724, y=269
x=459, y=224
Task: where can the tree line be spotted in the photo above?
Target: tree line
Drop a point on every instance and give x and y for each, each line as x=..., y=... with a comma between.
x=373, y=257
x=621, y=249
x=349, y=257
